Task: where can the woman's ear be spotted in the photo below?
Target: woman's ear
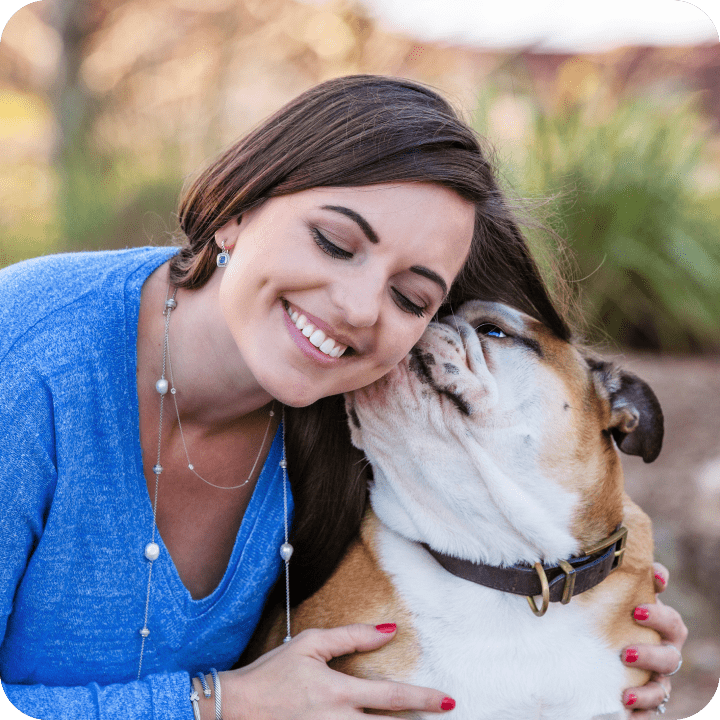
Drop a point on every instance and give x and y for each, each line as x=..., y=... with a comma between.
x=228, y=233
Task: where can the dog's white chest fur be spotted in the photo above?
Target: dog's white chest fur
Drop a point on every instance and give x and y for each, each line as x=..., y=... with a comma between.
x=489, y=652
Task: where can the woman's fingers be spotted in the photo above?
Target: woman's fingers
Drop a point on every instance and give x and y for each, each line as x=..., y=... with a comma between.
x=648, y=697
x=393, y=696
x=665, y=620
x=661, y=575
x=661, y=659
x=370, y=694
x=327, y=644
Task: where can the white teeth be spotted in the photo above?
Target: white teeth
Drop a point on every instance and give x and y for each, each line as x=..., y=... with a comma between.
x=317, y=338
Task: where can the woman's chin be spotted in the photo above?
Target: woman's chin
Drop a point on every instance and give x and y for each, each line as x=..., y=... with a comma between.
x=295, y=395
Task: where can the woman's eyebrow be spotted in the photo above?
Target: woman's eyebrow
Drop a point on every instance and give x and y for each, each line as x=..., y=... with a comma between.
x=373, y=238
x=359, y=219
x=431, y=275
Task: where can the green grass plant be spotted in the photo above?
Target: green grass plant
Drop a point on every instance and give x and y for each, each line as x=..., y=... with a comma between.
x=642, y=226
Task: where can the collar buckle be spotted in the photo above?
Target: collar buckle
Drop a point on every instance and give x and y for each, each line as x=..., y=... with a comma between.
x=619, y=539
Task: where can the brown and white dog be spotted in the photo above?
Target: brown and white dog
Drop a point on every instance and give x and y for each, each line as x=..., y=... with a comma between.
x=494, y=444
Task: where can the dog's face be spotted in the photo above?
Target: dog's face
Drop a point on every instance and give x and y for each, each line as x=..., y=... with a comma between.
x=495, y=391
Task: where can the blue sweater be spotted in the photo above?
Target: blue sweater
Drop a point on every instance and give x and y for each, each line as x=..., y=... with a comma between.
x=75, y=514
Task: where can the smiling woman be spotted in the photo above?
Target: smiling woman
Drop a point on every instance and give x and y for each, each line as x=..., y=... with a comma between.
x=153, y=405
x=371, y=289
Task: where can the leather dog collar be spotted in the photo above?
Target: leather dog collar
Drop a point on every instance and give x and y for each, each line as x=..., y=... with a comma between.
x=555, y=583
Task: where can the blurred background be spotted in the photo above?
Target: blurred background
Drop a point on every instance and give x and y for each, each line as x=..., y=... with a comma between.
x=609, y=132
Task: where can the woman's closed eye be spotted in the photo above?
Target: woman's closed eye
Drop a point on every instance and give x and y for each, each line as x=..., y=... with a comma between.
x=403, y=302
x=328, y=247
x=408, y=305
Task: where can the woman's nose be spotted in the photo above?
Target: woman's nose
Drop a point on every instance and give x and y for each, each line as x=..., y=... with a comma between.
x=359, y=301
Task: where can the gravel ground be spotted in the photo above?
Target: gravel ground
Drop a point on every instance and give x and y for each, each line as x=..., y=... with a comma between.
x=681, y=492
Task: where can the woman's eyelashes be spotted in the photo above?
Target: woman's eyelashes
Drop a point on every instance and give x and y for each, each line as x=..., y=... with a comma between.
x=334, y=251
x=330, y=248
x=408, y=305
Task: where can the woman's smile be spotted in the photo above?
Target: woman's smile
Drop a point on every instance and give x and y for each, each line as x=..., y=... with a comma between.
x=312, y=335
x=352, y=274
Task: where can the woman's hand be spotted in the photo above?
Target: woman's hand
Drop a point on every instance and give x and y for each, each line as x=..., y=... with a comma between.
x=294, y=681
x=660, y=659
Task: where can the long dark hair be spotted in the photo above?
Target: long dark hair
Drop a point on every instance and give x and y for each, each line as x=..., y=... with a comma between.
x=354, y=131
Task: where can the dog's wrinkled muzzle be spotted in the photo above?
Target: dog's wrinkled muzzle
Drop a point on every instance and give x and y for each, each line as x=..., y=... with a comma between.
x=474, y=356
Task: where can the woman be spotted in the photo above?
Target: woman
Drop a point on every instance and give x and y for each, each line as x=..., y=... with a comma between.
x=144, y=501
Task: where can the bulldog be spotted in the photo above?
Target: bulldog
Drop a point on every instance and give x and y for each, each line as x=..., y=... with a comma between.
x=499, y=539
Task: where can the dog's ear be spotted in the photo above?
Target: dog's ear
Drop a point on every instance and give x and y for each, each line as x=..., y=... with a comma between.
x=636, y=419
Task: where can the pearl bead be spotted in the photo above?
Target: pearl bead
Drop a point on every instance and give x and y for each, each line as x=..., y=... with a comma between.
x=283, y=463
x=191, y=466
x=287, y=638
x=173, y=390
x=286, y=551
x=157, y=469
x=145, y=632
x=161, y=386
x=152, y=551
x=272, y=414
x=171, y=303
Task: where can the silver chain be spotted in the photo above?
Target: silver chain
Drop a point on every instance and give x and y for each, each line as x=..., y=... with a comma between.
x=152, y=549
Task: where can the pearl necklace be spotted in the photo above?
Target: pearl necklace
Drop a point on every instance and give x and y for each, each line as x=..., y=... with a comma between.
x=152, y=549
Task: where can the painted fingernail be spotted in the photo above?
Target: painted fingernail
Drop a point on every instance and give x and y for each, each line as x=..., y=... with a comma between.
x=631, y=655
x=386, y=628
x=659, y=577
x=631, y=699
x=447, y=703
x=641, y=613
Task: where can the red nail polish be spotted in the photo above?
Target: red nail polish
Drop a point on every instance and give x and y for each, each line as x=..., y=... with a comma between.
x=447, y=704
x=659, y=577
x=631, y=655
x=641, y=613
x=386, y=628
x=631, y=699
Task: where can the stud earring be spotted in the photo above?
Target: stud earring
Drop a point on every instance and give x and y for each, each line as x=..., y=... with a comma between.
x=223, y=257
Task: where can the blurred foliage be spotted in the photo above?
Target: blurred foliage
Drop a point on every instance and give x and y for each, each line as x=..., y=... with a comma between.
x=107, y=202
x=633, y=198
x=102, y=132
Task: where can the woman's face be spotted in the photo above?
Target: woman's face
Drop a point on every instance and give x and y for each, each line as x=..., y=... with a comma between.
x=367, y=267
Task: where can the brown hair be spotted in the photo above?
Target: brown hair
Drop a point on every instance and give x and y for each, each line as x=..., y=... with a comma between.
x=354, y=131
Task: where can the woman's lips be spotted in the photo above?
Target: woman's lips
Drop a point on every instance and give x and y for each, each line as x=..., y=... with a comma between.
x=311, y=341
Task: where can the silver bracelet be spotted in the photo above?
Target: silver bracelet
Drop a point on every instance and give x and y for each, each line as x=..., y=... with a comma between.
x=218, y=697
x=205, y=687
x=194, y=697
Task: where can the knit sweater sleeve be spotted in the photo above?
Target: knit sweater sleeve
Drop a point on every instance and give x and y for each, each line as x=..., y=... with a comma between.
x=165, y=696
x=28, y=478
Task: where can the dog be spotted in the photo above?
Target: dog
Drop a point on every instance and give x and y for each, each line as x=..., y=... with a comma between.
x=494, y=450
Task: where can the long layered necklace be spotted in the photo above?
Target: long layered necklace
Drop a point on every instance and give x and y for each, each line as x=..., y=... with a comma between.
x=152, y=549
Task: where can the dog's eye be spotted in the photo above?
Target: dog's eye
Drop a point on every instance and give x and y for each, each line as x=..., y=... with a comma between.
x=491, y=330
